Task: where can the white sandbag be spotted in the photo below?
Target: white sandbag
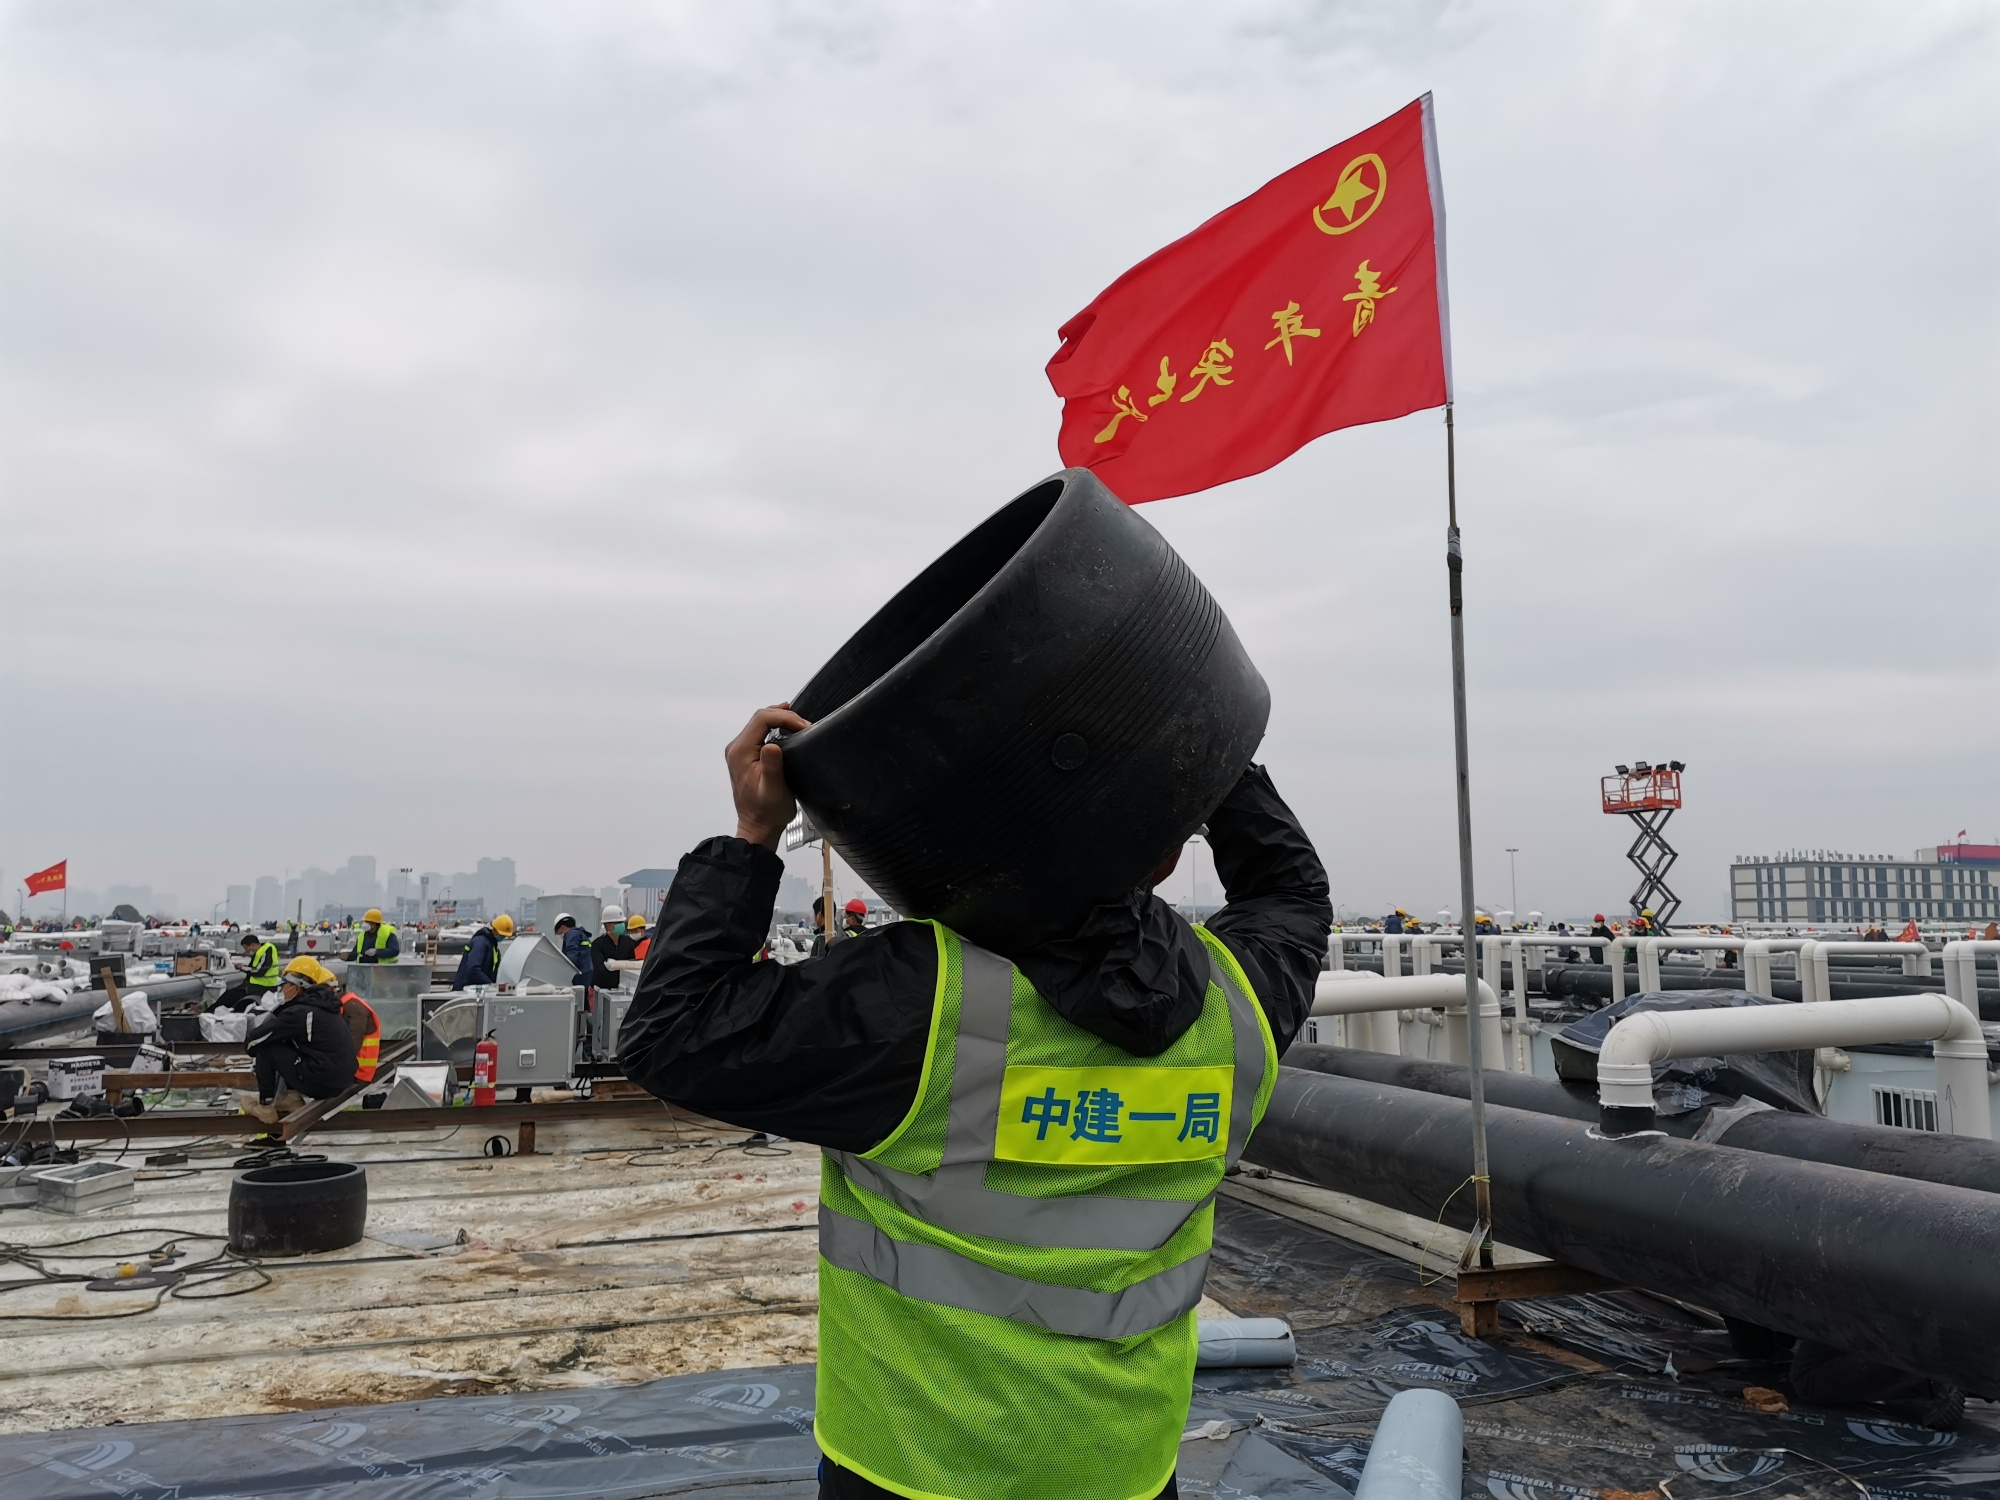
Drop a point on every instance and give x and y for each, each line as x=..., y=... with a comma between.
x=138, y=1014
x=224, y=1025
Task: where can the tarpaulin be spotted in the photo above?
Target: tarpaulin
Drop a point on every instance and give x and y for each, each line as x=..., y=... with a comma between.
x=1782, y=1080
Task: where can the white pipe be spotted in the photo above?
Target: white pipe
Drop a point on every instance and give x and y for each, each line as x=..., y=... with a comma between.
x=1417, y=1451
x=1361, y=993
x=1961, y=969
x=1518, y=946
x=1813, y=965
x=1757, y=962
x=1650, y=949
x=1614, y=955
x=1625, y=1063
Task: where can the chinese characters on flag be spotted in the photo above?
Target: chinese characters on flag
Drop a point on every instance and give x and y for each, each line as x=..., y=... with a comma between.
x=54, y=878
x=1316, y=303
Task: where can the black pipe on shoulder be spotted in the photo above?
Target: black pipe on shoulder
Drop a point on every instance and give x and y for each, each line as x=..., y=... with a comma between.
x=1899, y=1270
x=1923, y=1156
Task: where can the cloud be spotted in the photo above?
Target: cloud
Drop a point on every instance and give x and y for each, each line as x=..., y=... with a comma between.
x=430, y=429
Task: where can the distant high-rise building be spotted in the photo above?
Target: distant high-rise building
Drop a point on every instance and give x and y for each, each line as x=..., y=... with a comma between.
x=268, y=903
x=1951, y=883
x=237, y=906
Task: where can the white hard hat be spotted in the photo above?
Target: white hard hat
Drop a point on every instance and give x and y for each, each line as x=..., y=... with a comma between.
x=614, y=913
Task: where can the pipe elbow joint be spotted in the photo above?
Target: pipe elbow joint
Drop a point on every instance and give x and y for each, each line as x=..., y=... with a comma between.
x=1963, y=1036
x=1624, y=1086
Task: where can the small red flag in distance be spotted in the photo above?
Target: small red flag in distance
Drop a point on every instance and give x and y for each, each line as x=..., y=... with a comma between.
x=54, y=878
x=1316, y=303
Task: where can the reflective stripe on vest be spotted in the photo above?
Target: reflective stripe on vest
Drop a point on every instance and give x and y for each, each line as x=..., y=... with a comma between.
x=264, y=967
x=383, y=932
x=955, y=1197
x=1029, y=1245
x=369, y=1055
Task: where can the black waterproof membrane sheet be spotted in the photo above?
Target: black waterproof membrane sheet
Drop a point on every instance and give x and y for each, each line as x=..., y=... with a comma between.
x=1610, y=1395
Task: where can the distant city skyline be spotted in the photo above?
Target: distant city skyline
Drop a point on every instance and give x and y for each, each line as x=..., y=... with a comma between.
x=490, y=887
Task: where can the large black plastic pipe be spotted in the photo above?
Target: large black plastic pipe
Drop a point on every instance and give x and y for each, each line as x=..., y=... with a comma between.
x=1593, y=982
x=1923, y=1156
x=1900, y=1270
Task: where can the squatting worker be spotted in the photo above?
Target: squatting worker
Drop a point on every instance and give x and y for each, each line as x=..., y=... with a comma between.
x=376, y=941
x=304, y=1049
x=1010, y=1253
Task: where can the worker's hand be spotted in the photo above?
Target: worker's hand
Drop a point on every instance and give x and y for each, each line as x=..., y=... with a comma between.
x=764, y=803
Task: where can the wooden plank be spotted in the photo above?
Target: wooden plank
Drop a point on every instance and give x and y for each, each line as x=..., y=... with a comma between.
x=175, y=1124
x=120, y=1081
x=1523, y=1283
x=1386, y=1229
x=300, y=1120
x=179, y=1049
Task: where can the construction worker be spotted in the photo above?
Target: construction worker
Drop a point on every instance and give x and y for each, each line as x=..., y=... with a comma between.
x=854, y=918
x=258, y=981
x=303, y=1050
x=819, y=942
x=1395, y=921
x=1599, y=928
x=575, y=944
x=367, y=1028
x=1642, y=925
x=607, y=945
x=481, y=964
x=642, y=941
x=375, y=942
x=1007, y=1280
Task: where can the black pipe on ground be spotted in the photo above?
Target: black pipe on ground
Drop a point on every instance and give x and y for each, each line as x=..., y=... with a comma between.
x=1922, y=1156
x=1900, y=1271
x=1593, y=982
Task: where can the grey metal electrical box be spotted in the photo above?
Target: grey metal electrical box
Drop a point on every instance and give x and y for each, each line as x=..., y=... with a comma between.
x=611, y=1008
x=404, y=979
x=536, y=1034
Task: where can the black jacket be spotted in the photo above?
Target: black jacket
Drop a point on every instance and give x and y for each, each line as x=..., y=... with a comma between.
x=481, y=964
x=313, y=1028
x=831, y=1051
x=605, y=947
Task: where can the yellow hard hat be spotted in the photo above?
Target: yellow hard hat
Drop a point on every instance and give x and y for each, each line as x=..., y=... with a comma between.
x=307, y=970
x=504, y=925
x=373, y=914
x=634, y=922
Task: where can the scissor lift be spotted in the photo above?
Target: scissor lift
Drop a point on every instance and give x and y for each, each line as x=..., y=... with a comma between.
x=1649, y=796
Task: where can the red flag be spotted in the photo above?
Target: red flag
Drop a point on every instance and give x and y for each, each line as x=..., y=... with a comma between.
x=54, y=878
x=1317, y=302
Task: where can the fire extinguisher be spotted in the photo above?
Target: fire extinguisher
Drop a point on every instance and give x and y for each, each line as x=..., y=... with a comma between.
x=485, y=1069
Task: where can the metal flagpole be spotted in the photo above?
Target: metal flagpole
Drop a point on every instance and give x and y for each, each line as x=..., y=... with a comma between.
x=1480, y=1244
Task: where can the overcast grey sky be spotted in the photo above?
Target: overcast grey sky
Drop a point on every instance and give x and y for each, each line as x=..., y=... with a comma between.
x=430, y=428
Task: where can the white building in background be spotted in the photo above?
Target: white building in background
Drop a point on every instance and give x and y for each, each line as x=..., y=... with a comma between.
x=1950, y=883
